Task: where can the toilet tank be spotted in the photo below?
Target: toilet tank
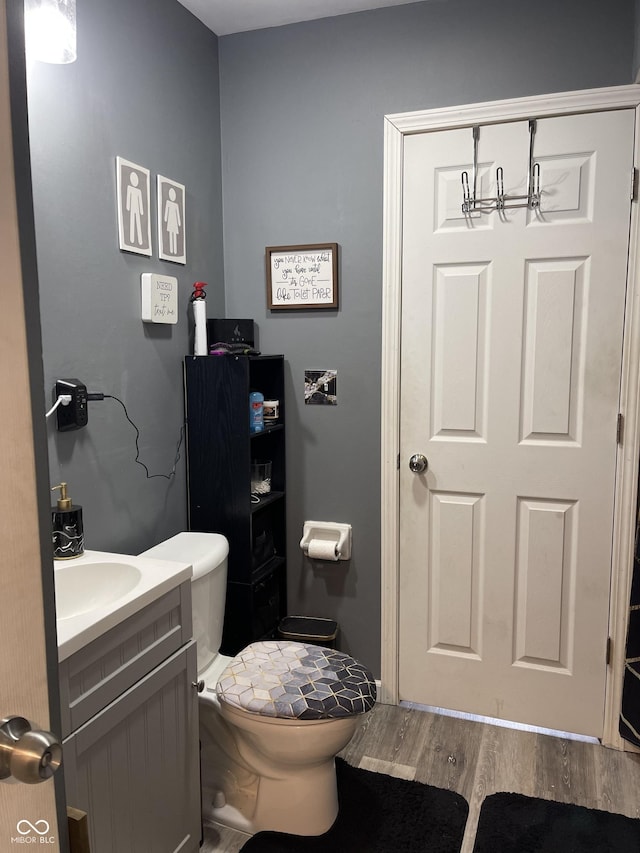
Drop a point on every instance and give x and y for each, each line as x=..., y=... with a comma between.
x=207, y=553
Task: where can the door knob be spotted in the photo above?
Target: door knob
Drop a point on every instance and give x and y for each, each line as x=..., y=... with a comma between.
x=418, y=463
x=198, y=685
x=28, y=755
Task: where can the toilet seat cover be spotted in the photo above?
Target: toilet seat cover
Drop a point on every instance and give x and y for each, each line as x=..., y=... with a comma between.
x=291, y=680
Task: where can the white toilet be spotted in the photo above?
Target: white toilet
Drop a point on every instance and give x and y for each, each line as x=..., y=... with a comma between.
x=273, y=718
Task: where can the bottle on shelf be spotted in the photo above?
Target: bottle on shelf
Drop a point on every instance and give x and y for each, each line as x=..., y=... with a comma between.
x=256, y=411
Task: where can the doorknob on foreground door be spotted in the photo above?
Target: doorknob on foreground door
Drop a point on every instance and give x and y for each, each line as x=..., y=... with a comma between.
x=28, y=755
x=418, y=463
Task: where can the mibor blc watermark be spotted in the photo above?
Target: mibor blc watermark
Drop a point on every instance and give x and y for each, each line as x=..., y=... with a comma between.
x=33, y=833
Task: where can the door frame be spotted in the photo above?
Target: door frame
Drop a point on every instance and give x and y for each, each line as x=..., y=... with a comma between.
x=30, y=652
x=396, y=127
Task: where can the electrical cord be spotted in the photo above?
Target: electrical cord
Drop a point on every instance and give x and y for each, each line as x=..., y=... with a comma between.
x=137, y=459
x=63, y=400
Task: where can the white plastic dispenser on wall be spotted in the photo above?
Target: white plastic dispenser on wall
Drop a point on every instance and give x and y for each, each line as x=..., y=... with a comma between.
x=326, y=540
x=159, y=294
x=200, y=318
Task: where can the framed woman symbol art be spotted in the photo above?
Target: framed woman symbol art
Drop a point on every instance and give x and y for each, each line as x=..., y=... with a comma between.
x=172, y=244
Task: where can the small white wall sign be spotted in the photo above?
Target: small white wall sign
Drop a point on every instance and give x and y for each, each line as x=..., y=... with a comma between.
x=159, y=298
x=134, y=215
x=172, y=245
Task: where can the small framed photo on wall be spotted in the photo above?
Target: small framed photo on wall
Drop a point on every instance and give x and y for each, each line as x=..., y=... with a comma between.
x=134, y=215
x=172, y=244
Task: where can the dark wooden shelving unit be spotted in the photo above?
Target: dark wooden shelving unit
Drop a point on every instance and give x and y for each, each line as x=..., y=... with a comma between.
x=220, y=450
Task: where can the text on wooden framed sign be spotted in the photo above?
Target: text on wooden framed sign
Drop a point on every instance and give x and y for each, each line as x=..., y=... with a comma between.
x=302, y=276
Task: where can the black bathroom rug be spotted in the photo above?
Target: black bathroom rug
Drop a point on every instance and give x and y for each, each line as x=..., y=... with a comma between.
x=379, y=814
x=513, y=823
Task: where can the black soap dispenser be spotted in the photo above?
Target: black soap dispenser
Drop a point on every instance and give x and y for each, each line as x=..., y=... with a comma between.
x=68, y=533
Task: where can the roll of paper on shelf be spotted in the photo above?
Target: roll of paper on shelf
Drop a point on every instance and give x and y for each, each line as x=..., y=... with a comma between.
x=199, y=318
x=322, y=549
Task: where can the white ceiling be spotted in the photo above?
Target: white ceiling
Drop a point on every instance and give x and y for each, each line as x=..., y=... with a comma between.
x=235, y=16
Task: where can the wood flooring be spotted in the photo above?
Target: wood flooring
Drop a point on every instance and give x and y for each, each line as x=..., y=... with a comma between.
x=476, y=759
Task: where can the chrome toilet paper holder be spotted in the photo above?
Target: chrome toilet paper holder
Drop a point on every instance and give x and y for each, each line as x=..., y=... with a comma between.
x=328, y=531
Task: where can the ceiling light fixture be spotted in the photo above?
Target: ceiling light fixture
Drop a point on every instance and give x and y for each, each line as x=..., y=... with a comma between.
x=50, y=30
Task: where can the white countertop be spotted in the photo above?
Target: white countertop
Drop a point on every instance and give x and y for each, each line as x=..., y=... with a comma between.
x=157, y=577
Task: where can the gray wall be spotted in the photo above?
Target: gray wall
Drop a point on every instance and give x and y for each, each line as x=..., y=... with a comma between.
x=636, y=46
x=145, y=87
x=302, y=142
x=301, y=113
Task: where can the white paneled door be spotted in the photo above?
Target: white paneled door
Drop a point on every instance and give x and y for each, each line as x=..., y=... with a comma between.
x=511, y=347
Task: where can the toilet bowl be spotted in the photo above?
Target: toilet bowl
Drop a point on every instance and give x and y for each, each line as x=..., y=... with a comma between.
x=272, y=718
x=294, y=761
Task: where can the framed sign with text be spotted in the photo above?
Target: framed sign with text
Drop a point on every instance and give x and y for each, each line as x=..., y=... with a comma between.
x=302, y=276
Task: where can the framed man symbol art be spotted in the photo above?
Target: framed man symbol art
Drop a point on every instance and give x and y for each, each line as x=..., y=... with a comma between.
x=172, y=244
x=134, y=215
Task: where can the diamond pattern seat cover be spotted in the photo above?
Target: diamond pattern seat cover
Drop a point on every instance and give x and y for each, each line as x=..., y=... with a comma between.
x=291, y=680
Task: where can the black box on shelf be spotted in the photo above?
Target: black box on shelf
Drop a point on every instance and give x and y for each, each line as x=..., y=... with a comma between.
x=230, y=332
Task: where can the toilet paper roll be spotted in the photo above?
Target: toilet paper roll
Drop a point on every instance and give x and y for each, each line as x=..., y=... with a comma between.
x=322, y=549
x=200, y=320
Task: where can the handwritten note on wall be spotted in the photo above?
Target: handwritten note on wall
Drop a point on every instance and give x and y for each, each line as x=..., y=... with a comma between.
x=159, y=298
x=302, y=276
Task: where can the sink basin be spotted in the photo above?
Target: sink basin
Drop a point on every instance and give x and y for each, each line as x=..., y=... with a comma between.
x=82, y=587
x=101, y=589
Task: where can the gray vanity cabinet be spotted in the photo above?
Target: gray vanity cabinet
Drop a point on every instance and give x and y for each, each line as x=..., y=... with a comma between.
x=131, y=755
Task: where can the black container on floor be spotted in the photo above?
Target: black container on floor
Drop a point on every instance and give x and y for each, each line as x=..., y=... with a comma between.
x=309, y=629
